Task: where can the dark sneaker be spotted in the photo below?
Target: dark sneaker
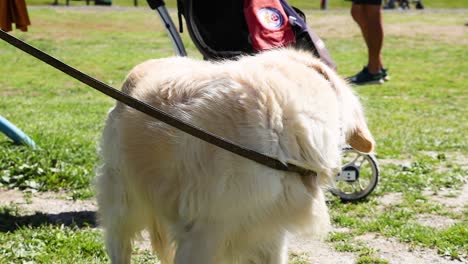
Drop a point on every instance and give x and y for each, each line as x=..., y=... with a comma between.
x=385, y=75
x=419, y=5
x=365, y=77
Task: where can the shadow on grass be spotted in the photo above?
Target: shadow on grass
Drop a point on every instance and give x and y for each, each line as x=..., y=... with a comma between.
x=10, y=222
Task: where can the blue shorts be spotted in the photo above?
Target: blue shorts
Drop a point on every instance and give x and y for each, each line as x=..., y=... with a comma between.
x=367, y=2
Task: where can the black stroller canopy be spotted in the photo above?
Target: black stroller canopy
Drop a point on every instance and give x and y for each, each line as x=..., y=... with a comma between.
x=218, y=28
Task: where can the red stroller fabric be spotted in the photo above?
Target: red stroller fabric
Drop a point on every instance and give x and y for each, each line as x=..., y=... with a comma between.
x=268, y=24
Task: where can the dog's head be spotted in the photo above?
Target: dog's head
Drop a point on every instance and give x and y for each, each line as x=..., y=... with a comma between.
x=320, y=113
x=354, y=126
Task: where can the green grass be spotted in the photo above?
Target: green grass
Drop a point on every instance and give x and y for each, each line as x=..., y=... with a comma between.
x=49, y=244
x=62, y=115
x=27, y=240
x=344, y=242
x=422, y=174
x=421, y=110
x=399, y=221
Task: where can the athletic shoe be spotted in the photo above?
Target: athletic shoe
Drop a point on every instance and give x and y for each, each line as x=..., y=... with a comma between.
x=385, y=75
x=365, y=77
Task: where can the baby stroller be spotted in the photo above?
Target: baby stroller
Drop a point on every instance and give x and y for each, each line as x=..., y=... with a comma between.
x=229, y=31
x=212, y=32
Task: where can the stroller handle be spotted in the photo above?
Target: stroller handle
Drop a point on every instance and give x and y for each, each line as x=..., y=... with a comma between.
x=160, y=7
x=154, y=4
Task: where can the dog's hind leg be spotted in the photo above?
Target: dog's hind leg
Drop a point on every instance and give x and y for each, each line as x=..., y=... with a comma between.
x=116, y=217
x=161, y=242
x=118, y=246
x=119, y=221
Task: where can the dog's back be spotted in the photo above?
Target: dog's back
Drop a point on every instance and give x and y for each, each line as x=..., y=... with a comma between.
x=204, y=202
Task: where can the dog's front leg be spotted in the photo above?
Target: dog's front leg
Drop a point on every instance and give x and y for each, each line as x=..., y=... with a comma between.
x=118, y=238
x=198, y=246
x=119, y=249
x=273, y=251
x=279, y=252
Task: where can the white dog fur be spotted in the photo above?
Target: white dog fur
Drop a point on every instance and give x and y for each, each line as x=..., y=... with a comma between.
x=202, y=204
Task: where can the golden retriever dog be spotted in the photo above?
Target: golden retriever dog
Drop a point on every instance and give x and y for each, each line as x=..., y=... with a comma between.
x=202, y=204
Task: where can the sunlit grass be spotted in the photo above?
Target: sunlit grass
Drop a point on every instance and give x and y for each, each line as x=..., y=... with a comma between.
x=422, y=109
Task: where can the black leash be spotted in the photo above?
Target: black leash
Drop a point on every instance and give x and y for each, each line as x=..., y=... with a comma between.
x=152, y=111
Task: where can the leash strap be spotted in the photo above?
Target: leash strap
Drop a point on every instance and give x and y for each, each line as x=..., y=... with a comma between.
x=152, y=111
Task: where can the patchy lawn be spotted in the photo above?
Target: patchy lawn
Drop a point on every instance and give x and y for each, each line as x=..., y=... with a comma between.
x=417, y=214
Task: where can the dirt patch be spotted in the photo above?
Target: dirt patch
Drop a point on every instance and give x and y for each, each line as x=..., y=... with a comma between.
x=442, y=33
x=457, y=158
x=18, y=92
x=44, y=209
x=74, y=28
x=319, y=252
x=397, y=162
x=336, y=25
x=10, y=93
x=313, y=251
x=46, y=203
x=391, y=199
x=395, y=252
x=456, y=200
x=388, y=200
x=53, y=206
x=435, y=221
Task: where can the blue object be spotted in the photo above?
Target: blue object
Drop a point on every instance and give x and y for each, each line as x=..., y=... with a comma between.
x=18, y=136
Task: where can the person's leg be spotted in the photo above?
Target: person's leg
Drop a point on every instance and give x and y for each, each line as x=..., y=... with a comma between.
x=359, y=16
x=375, y=35
x=368, y=16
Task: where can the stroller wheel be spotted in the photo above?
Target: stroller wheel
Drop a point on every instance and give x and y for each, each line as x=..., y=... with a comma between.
x=358, y=177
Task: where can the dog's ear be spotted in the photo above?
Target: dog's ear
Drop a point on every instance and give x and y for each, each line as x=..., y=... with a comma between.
x=361, y=139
